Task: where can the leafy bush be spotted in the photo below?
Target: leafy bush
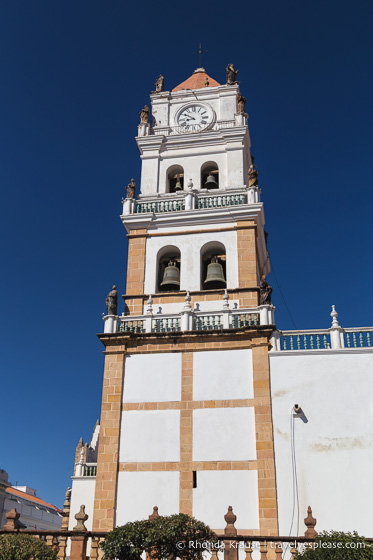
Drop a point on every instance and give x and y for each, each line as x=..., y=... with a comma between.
x=161, y=537
x=335, y=545
x=24, y=547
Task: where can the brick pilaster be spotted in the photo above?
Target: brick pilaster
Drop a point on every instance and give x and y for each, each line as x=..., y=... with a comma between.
x=186, y=435
x=264, y=442
x=136, y=263
x=247, y=258
x=107, y=460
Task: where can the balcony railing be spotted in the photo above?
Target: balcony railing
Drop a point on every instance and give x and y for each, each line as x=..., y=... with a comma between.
x=190, y=199
x=172, y=130
x=335, y=338
x=90, y=469
x=160, y=206
x=190, y=321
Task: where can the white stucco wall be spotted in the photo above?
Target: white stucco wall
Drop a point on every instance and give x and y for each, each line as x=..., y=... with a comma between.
x=82, y=493
x=152, y=378
x=139, y=492
x=223, y=375
x=224, y=434
x=149, y=436
x=190, y=250
x=216, y=490
x=334, y=449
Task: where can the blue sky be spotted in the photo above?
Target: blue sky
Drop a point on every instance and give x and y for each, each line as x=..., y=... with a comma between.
x=74, y=76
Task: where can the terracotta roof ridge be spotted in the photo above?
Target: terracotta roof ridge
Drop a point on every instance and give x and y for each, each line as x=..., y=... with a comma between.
x=35, y=499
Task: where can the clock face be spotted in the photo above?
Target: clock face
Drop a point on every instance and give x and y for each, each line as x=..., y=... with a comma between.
x=194, y=118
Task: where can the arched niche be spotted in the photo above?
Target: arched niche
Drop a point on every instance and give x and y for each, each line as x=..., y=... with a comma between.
x=175, y=179
x=210, y=252
x=209, y=170
x=168, y=257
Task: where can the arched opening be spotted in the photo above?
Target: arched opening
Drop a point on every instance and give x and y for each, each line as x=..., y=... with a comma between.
x=175, y=179
x=210, y=175
x=213, y=266
x=168, y=269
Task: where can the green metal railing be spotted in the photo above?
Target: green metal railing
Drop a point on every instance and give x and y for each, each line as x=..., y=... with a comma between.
x=245, y=320
x=220, y=201
x=90, y=470
x=168, y=324
x=208, y=323
x=135, y=326
x=304, y=341
x=358, y=339
x=160, y=206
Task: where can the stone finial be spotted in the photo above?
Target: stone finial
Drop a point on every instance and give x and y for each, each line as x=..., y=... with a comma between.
x=190, y=185
x=149, y=309
x=226, y=300
x=230, y=530
x=81, y=458
x=66, y=510
x=188, y=299
x=155, y=513
x=12, y=520
x=310, y=523
x=334, y=315
x=67, y=497
x=81, y=517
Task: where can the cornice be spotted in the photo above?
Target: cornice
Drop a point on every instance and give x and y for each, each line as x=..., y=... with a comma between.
x=187, y=218
x=125, y=340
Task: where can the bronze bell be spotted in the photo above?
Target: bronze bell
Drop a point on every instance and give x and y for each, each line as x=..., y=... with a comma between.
x=171, y=277
x=211, y=182
x=215, y=275
x=178, y=186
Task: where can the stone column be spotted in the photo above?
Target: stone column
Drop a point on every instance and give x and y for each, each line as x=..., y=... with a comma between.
x=79, y=540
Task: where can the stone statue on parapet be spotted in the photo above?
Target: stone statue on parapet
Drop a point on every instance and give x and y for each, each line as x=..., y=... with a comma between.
x=112, y=302
x=240, y=103
x=131, y=188
x=159, y=83
x=231, y=75
x=265, y=292
x=144, y=115
x=253, y=174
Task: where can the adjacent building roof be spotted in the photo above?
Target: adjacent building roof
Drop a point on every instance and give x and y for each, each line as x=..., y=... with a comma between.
x=31, y=498
x=197, y=81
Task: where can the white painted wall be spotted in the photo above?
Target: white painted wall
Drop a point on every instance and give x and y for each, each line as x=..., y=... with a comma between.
x=216, y=490
x=190, y=249
x=139, y=492
x=150, y=435
x=224, y=434
x=334, y=449
x=82, y=493
x=223, y=375
x=230, y=152
x=152, y=378
x=31, y=513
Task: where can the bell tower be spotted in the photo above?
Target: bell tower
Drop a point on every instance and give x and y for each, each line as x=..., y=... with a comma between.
x=186, y=418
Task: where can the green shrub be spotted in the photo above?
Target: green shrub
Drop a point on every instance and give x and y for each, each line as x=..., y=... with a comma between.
x=336, y=545
x=24, y=547
x=160, y=538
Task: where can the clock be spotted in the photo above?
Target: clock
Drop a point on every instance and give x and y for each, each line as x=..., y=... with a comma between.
x=194, y=117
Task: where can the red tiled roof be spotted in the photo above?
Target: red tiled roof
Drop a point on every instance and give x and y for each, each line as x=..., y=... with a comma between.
x=197, y=81
x=31, y=498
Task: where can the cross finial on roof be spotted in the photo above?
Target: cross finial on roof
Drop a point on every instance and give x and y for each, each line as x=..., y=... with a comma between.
x=199, y=52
